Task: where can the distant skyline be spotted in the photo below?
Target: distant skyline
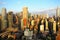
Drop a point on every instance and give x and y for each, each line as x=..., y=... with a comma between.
x=33, y=5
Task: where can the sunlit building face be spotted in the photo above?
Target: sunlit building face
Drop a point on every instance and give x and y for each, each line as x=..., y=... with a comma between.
x=42, y=28
x=25, y=12
x=25, y=16
x=4, y=22
x=54, y=26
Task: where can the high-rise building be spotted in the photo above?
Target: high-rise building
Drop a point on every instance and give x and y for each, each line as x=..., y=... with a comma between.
x=58, y=12
x=4, y=21
x=10, y=18
x=25, y=16
x=42, y=28
x=3, y=12
x=46, y=24
x=0, y=22
x=25, y=12
x=54, y=26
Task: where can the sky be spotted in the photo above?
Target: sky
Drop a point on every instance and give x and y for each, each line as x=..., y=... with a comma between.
x=33, y=5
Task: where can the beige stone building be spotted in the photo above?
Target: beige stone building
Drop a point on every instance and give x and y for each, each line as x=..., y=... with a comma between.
x=4, y=21
x=10, y=18
x=58, y=11
x=25, y=12
x=25, y=16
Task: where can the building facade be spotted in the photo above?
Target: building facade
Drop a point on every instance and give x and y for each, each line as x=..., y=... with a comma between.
x=58, y=12
x=25, y=16
x=10, y=19
x=4, y=21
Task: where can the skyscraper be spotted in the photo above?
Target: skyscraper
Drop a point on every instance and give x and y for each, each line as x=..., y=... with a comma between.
x=54, y=26
x=0, y=22
x=4, y=22
x=25, y=16
x=58, y=12
x=10, y=18
x=25, y=12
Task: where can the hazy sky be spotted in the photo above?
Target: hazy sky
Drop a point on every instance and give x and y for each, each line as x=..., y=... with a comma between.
x=33, y=5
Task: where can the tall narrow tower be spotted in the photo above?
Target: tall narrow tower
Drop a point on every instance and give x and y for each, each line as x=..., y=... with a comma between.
x=58, y=12
x=4, y=21
x=25, y=12
x=10, y=19
x=25, y=16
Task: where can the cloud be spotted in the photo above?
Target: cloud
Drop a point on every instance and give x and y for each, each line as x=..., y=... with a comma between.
x=2, y=2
